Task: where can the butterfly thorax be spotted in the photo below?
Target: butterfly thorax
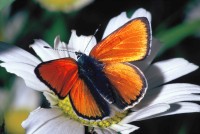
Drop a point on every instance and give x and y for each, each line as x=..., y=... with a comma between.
x=88, y=65
x=90, y=70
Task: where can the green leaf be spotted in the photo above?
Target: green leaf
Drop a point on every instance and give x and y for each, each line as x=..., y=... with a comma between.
x=59, y=27
x=173, y=36
x=5, y=3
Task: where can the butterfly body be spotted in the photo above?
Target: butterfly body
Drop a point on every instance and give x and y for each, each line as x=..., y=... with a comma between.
x=91, y=71
x=103, y=77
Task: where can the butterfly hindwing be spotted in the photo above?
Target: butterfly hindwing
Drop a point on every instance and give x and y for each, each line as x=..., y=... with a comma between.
x=85, y=104
x=131, y=42
x=129, y=83
x=59, y=75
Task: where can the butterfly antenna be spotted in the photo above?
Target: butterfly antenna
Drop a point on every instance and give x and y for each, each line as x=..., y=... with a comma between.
x=59, y=49
x=92, y=36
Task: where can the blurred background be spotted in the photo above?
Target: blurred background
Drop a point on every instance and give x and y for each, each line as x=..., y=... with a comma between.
x=176, y=23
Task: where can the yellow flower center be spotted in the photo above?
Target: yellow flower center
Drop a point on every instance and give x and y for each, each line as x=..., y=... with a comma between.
x=66, y=106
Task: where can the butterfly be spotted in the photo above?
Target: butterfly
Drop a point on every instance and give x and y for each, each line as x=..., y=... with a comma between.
x=104, y=77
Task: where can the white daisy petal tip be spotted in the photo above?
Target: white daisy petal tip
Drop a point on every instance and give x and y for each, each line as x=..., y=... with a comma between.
x=170, y=93
x=25, y=122
x=115, y=23
x=141, y=12
x=44, y=50
x=41, y=43
x=59, y=44
x=168, y=70
x=124, y=128
x=181, y=108
x=57, y=41
x=60, y=47
x=10, y=53
x=81, y=43
x=122, y=18
x=146, y=113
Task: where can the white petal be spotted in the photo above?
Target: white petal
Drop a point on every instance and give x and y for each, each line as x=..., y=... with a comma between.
x=146, y=113
x=52, y=99
x=141, y=12
x=104, y=131
x=22, y=93
x=10, y=53
x=143, y=64
x=26, y=72
x=61, y=125
x=172, y=99
x=79, y=44
x=121, y=19
x=165, y=71
x=61, y=46
x=180, y=108
x=170, y=93
x=45, y=54
x=175, y=88
x=46, y=121
x=115, y=23
x=124, y=128
x=39, y=117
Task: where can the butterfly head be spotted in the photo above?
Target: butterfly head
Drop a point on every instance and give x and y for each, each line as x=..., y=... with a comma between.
x=79, y=54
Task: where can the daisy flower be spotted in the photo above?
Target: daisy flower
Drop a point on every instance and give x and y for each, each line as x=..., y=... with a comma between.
x=64, y=5
x=160, y=99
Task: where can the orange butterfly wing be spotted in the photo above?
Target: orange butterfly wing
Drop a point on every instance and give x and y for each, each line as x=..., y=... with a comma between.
x=85, y=104
x=59, y=75
x=131, y=42
x=129, y=82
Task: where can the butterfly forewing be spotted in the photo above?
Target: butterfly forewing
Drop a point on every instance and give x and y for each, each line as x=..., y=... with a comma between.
x=59, y=75
x=131, y=42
